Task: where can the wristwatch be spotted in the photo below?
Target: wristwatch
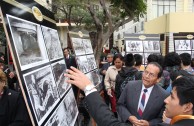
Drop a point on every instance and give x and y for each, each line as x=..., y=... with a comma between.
x=89, y=89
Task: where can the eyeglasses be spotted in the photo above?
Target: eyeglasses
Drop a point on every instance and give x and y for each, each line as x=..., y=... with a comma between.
x=150, y=75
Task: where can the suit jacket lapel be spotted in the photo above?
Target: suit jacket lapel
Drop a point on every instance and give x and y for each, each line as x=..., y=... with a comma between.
x=137, y=93
x=151, y=101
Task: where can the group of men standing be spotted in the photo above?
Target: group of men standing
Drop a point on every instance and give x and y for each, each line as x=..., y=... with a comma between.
x=142, y=102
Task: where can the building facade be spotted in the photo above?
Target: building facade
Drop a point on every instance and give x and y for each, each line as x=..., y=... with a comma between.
x=164, y=17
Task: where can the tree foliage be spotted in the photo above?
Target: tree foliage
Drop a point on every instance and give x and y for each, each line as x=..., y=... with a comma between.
x=112, y=15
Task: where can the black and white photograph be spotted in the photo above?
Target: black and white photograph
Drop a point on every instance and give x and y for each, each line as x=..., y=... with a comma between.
x=78, y=46
x=97, y=78
x=59, y=117
x=42, y=92
x=192, y=44
x=151, y=46
x=87, y=46
x=180, y=52
x=52, y=43
x=182, y=45
x=91, y=62
x=89, y=75
x=82, y=63
x=28, y=42
x=59, y=68
x=71, y=108
x=192, y=55
x=134, y=46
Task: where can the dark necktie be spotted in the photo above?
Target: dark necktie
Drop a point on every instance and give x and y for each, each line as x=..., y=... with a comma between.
x=142, y=103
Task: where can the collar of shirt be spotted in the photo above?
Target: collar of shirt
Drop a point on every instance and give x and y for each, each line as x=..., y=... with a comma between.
x=190, y=69
x=149, y=89
x=67, y=57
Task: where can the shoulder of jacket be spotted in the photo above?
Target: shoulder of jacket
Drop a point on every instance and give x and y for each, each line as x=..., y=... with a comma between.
x=134, y=83
x=12, y=94
x=112, y=67
x=161, y=90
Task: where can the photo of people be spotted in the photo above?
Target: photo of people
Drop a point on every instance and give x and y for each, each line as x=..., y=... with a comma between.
x=71, y=108
x=28, y=42
x=89, y=75
x=182, y=45
x=59, y=117
x=97, y=78
x=134, y=46
x=151, y=46
x=82, y=63
x=91, y=62
x=59, y=68
x=42, y=92
x=87, y=46
x=52, y=43
x=78, y=46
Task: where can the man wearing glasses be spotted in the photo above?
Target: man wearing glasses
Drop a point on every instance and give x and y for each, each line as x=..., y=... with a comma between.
x=142, y=102
x=103, y=73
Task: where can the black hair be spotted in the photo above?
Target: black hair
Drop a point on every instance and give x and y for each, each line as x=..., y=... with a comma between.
x=185, y=90
x=129, y=60
x=176, y=73
x=185, y=58
x=152, y=58
x=192, y=62
x=66, y=49
x=2, y=54
x=172, y=59
x=160, y=68
x=161, y=60
x=117, y=56
x=138, y=59
x=110, y=54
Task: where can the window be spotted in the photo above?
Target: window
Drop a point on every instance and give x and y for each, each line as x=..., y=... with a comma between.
x=161, y=7
x=142, y=26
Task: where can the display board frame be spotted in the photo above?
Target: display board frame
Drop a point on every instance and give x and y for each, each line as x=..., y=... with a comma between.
x=31, y=25
x=143, y=44
x=184, y=43
x=85, y=60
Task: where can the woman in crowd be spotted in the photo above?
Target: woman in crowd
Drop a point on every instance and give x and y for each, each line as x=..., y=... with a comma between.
x=13, y=111
x=110, y=78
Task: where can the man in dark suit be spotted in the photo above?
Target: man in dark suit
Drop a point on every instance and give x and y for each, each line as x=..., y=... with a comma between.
x=69, y=59
x=142, y=102
x=104, y=117
x=103, y=73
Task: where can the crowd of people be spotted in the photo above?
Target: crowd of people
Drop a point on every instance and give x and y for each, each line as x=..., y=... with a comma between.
x=161, y=94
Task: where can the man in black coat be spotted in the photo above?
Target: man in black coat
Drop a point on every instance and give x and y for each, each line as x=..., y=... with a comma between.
x=13, y=111
x=69, y=59
x=103, y=73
